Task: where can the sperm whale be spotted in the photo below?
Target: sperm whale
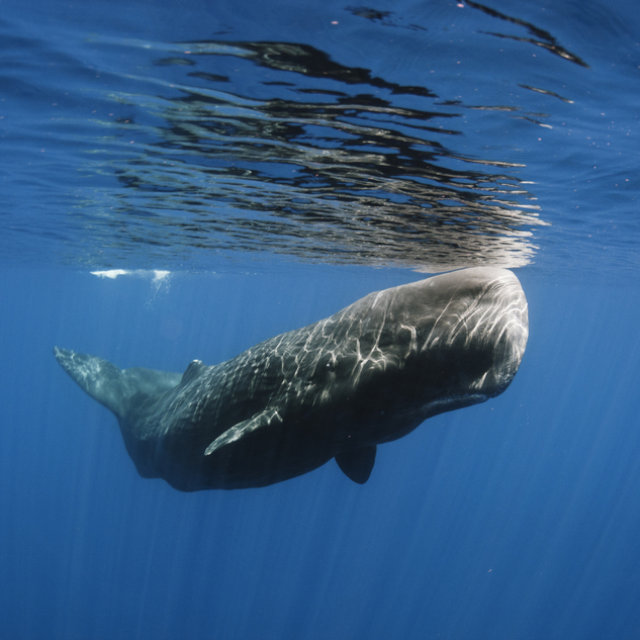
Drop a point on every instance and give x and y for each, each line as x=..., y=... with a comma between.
x=338, y=388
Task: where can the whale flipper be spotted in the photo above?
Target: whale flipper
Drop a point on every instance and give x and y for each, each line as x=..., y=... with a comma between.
x=244, y=429
x=111, y=386
x=357, y=464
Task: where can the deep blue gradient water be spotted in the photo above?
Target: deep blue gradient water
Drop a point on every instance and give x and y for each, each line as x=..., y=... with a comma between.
x=281, y=161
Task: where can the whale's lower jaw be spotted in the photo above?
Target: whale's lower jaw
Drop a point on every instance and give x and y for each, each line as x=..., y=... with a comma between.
x=452, y=403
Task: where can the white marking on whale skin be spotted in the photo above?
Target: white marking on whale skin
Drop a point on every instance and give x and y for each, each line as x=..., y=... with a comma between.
x=369, y=374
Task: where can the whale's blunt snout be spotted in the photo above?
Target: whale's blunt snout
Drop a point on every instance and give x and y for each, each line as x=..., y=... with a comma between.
x=503, y=328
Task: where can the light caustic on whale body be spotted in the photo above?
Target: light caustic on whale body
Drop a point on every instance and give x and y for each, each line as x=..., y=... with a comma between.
x=369, y=374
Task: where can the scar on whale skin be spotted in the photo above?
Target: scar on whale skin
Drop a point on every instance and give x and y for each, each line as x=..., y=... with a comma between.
x=369, y=374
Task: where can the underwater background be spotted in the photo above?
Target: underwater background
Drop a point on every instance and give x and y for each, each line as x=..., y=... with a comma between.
x=184, y=180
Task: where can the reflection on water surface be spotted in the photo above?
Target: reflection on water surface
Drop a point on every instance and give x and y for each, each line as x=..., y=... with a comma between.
x=313, y=159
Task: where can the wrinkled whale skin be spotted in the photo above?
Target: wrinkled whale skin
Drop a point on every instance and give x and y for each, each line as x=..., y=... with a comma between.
x=369, y=374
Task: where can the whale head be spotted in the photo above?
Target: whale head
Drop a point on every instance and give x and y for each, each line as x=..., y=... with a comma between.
x=420, y=349
x=474, y=322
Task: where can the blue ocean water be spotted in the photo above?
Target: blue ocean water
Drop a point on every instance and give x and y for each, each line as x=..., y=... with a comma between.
x=279, y=162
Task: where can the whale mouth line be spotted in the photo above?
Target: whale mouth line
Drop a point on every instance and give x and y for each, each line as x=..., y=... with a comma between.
x=457, y=401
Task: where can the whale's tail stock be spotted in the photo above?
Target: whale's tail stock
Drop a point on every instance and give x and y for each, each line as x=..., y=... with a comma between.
x=111, y=386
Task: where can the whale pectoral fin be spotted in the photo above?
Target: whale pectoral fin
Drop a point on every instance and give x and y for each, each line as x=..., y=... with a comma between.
x=242, y=429
x=357, y=464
